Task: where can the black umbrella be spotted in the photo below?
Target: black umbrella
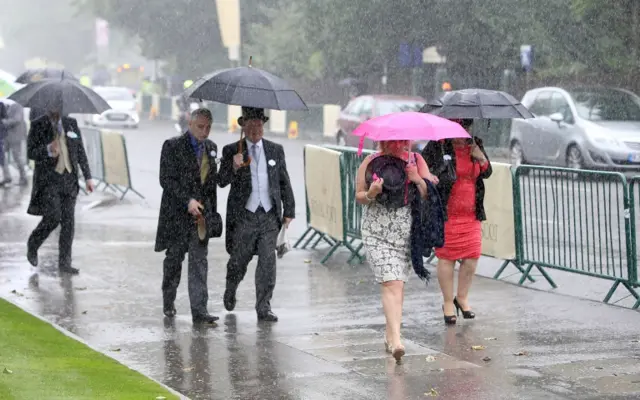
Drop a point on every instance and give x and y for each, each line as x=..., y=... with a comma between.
x=38, y=74
x=248, y=87
x=66, y=96
x=476, y=104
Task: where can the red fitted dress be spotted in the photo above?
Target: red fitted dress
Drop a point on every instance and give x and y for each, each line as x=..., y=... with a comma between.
x=462, y=230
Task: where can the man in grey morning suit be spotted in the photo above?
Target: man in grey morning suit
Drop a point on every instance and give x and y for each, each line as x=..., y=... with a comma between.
x=188, y=213
x=260, y=202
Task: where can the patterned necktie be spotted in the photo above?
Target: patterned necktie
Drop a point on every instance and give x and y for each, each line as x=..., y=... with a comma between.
x=199, y=153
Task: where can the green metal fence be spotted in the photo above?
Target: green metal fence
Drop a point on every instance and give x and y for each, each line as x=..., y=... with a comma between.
x=575, y=221
x=634, y=199
x=352, y=211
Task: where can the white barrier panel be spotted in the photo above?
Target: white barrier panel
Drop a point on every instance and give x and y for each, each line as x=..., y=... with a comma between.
x=115, y=163
x=324, y=190
x=233, y=113
x=278, y=121
x=498, y=231
x=330, y=116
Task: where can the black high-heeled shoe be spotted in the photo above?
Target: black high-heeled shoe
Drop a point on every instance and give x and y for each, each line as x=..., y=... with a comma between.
x=449, y=319
x=465, y=314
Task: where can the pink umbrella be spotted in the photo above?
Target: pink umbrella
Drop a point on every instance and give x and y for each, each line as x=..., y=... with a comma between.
x=408, y=125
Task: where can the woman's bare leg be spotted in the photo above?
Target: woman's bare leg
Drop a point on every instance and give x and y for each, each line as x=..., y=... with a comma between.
x=465, y=277
x=392, y=293
x=445, y=279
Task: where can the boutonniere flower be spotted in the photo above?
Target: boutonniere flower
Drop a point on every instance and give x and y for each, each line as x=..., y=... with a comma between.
x=72, y=135
x=213, y=153
x=272, y=163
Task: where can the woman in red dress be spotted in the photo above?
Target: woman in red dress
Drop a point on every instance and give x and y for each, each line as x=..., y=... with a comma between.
x=461, y=165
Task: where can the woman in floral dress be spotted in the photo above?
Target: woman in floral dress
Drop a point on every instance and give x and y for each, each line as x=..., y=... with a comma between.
x=386, y=236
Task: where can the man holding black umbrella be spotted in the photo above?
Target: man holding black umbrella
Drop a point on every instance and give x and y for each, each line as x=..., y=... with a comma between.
x=260, y=201
x=55, y=144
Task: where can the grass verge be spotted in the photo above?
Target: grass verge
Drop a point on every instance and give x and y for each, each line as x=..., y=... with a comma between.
x=39, y=362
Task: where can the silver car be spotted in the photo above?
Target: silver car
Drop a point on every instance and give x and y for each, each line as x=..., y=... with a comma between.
x=123, y=111
x=583, y=128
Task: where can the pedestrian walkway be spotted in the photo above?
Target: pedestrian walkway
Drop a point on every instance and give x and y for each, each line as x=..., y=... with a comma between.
x=329, y=341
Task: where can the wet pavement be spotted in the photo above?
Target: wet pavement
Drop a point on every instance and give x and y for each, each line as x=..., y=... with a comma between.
x=329, y=341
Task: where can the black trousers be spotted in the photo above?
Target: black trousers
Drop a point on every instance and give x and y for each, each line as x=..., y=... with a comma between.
x=255, y=233
x=58, y=208
x=197, y=274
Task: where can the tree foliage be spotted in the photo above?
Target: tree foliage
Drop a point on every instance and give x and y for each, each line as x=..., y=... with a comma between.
x=316, y=39
x=184, y=32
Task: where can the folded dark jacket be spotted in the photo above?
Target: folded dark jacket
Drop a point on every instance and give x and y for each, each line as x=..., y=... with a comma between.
x=427, y=228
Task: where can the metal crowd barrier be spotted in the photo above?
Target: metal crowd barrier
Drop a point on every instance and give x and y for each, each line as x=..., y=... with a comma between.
x=575, y=221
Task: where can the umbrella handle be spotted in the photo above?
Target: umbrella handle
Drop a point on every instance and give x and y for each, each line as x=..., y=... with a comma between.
x=240, y=150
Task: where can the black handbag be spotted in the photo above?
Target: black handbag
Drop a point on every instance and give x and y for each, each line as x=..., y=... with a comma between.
x=213, y=223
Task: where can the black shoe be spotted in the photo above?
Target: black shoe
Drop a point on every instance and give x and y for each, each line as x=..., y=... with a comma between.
x=32, y=256
x=69, y=270
x=229, y=298
x=205, y=319
x=169, y=311
x=465, y=314
x=449, y=319
x=269, y=316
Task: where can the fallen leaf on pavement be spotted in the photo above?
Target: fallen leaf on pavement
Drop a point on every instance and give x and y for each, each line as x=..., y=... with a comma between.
x=521, y=353
x=188, y=369
x=491, y=338
x=486, y=359
x=431, y=393
x=307, y=261
x=116, y=349
x=81, y=288
x=7, y=371
x=84, y=312
x=16, y=293
x=430, y=358
x=478, y=347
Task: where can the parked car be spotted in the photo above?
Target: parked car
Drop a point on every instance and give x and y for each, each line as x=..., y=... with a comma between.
x=584, y=127
x=366, y=107
x=123, y=111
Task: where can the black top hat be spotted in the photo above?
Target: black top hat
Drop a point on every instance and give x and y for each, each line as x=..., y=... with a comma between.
x=392, y=170
x=249, y=113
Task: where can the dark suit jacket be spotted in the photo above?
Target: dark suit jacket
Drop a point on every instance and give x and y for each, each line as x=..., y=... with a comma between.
x=240, y=181
x=180, y=181
x=433, y=154
x=40, y=135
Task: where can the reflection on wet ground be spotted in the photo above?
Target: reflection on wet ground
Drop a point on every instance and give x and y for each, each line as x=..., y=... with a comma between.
x=328, y=343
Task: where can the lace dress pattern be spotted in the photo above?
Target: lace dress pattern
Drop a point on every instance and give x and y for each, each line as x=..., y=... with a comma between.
x=386, y=239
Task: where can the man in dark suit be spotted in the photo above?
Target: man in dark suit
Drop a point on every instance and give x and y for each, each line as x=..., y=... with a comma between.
x=54, y=143
x=260, y=202
x=188, y=213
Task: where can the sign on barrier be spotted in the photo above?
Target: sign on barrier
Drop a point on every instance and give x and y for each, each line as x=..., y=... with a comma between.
x=498, y=231
x=324, y=190
x=92, y=139
x=116, y=167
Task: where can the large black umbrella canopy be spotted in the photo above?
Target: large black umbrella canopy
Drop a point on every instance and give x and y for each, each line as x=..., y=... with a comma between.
x=248, y=87
x=64, y=95
x=476, y=104
x=38, y=74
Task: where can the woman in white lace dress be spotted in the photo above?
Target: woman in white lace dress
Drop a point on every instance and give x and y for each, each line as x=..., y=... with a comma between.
x=386, y=235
